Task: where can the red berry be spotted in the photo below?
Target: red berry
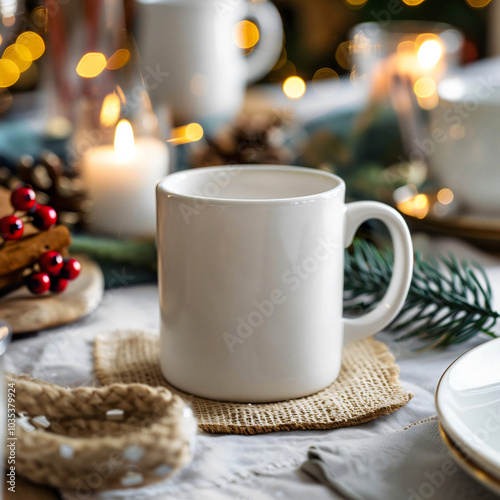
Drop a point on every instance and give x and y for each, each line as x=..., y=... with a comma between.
x=23, y=198
x=44, y=217
x=11, y=227
x=71, y=269
x=58, y=284
x=38, y=283
x=51, y=262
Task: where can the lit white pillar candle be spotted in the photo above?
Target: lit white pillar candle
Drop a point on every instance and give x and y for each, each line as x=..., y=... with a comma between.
x=121, y=183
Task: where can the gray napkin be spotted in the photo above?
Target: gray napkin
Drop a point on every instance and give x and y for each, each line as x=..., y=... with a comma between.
x=411, y=464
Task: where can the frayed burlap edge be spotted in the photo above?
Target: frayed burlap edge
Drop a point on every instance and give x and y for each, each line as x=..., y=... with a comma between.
x=367, y=387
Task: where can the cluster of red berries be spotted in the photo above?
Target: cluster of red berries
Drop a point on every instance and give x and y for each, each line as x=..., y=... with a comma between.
x=54, y=274
x=23, y=199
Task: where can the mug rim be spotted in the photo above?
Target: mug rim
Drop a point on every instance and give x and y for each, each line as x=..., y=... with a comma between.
x=327, y=193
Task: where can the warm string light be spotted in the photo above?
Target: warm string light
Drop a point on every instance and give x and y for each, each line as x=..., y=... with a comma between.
x=92, y=64
x=325, y=74
x=19, y=56
x=294, y=87
x=416, y=206
x=445, y=196
x=478, y=4
x=355, y=4
x=246, y=34
x=187, y=133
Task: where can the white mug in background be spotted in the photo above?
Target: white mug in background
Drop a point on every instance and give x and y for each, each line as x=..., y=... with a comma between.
x=190, y=61
x=462, y=147
x=372, y=42
x=251, y=268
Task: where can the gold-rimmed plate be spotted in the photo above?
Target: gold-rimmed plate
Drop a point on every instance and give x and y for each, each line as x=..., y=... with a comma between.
x=467, y=403
x=468, y=466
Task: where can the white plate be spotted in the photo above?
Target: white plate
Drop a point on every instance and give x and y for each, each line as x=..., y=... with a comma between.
x=468, y=405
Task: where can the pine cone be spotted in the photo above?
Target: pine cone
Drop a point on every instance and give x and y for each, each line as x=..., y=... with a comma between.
x=257, y=140
x=55, y=185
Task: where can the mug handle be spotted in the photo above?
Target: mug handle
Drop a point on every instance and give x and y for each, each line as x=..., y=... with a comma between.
x=265, y=55
x=395, y=296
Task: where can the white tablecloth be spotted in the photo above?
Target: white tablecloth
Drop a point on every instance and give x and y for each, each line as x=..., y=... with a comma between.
x=226, y=466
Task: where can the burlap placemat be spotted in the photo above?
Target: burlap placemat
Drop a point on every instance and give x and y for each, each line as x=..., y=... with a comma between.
x=367, y=387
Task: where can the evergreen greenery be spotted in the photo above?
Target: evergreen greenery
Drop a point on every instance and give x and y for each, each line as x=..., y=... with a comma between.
x=449, y=301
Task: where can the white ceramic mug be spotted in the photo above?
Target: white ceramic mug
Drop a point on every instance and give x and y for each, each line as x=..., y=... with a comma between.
x=251, y=267
x=190, y=61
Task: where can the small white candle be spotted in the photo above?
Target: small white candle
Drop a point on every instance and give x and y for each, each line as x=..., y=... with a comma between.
x=121, y=183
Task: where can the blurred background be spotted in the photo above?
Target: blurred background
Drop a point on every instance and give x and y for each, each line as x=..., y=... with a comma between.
x=100, y=98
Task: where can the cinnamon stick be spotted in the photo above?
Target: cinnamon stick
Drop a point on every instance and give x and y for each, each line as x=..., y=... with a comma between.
x=16, y=255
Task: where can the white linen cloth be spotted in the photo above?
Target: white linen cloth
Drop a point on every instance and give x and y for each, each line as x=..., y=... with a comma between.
x=233, y=467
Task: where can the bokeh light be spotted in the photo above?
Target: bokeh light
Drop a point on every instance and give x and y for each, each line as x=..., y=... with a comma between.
x=429, y=53
x=281, y=74
x=110, y=110
x=91, y=65
x=424, y=87
x=294, y=87
x=281, y=60
x=406, y=57
x=33, y=42
x=416, y=206
x=19, y=55
x=194, y=132
x=445, y=196
x=478, y=4
x=325, y=89
x=9, y=73
x=429, y=102
x=413, y=3
x=118, y=59
x=342, y=55
x=245, y=34
x=355, y=4
x=39, y=19
x=187, y=133
x=8, y=20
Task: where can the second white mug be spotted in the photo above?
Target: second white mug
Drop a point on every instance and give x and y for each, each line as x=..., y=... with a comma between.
x=190, y=61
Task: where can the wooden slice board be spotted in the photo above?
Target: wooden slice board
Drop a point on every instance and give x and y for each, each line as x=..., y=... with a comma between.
x=28, y=313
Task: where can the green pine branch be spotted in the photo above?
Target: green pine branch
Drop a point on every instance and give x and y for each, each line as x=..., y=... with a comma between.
x=448, y=302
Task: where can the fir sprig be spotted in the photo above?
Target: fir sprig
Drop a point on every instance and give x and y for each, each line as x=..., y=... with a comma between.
x=448, y=302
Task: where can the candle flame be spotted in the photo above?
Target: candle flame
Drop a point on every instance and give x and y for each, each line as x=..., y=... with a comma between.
x=124, y=139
